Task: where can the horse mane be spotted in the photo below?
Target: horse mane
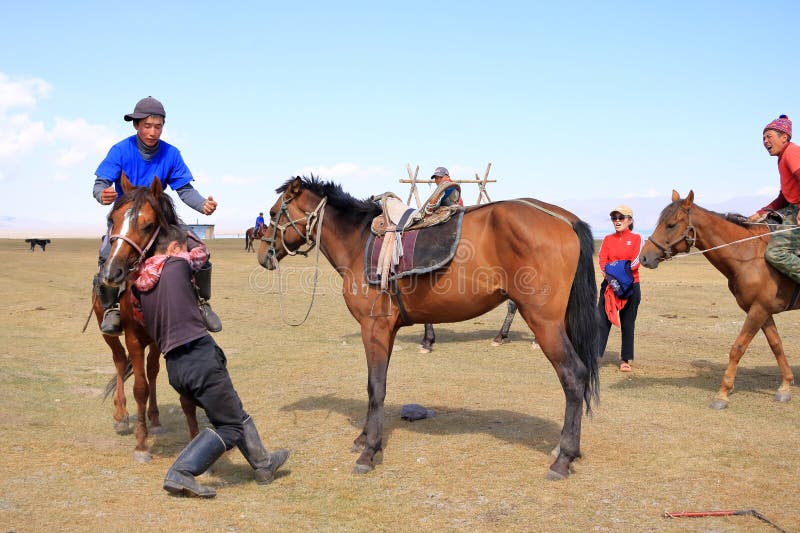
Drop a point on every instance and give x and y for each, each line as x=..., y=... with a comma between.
x=734, y=218
x=350, y=207
x=138, y=196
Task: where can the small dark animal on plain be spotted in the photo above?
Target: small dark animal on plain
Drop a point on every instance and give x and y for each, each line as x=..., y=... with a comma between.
x=38, y=242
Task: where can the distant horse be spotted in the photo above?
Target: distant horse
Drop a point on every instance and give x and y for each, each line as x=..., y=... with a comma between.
x=248, y=239
x=758, y=288
x=251, y=236
x=137, y=217
x=38, y=242
x=537, y=254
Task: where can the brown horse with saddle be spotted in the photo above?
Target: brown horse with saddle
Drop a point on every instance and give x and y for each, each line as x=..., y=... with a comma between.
x=537, y=254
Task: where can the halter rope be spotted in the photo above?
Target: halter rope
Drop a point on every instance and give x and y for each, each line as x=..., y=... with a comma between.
x=314, y=218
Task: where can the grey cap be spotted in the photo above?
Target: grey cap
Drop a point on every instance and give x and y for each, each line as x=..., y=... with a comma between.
x=440, y=172
x=146, y=107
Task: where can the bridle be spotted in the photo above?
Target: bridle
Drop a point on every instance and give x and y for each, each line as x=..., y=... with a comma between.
x=313, y=221
x=689, y=235
x=141, y=251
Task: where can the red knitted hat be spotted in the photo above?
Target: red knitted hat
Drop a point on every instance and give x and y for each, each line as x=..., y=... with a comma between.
x=781, y=124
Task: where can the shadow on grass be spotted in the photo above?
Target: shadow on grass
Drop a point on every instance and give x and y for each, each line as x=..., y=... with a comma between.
x=537, y=433
x=704, y=375
x=413, y=334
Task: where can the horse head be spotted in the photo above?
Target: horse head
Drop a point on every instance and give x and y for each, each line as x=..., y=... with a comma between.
x=674, y=233
x=293, y=219
x=136, y=219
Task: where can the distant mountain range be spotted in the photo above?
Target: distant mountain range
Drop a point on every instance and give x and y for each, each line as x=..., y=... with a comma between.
x=595, y=211
x=646, y=210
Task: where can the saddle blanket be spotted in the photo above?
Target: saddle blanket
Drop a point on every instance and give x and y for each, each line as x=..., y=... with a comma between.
x=424, y=250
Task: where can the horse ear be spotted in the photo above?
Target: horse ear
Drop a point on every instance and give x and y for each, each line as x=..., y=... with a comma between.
x=296, y=186
x=125, y=182
x=689, y=199
x=156, y=187
x=675, y=195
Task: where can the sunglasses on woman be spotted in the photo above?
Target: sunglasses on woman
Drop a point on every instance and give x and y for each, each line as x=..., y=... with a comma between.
x=618, y=217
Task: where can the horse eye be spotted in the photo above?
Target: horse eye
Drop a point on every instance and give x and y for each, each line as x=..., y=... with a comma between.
x=671, y=226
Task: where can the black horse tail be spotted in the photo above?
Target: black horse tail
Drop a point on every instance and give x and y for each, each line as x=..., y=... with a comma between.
x=582, y=319
x=111, y=386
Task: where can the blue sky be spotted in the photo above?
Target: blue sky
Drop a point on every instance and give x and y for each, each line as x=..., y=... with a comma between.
x=587, y=105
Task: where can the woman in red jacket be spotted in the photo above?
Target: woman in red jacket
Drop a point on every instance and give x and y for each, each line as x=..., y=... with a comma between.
x=621, y=245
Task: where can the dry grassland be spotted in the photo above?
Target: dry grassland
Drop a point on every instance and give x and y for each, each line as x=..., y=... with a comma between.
x=480, y=464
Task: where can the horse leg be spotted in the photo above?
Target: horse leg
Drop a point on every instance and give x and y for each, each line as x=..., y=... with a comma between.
x=428, y=339
x=140, y=393
x=121, y=419
x=784, y=392
x=754, y=321
x=190, y=412
x=153, y=367
x=503, y=334
x=120, y=358
x=378, y=340
x=573, y=375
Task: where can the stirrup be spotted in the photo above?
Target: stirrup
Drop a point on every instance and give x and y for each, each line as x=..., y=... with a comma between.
x=112, y=322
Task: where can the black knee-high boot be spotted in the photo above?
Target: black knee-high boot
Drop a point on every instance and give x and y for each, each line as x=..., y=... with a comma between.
x=264, y=463
x=195, y=459
x=202, y=279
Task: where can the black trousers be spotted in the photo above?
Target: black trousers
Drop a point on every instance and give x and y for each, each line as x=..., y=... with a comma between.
x=198, y=371
x=627, y=321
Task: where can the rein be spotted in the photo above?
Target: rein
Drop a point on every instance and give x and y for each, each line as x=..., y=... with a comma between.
x=691, y=240
x=314, y=220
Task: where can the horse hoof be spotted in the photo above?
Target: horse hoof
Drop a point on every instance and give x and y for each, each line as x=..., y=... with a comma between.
x=552, y=475
x=497, y=343
x=156, y=430
x=142, y=457
x=362, y=469
x=424, y=350
x=718, y=404
x=782, y=396
x=122, y=428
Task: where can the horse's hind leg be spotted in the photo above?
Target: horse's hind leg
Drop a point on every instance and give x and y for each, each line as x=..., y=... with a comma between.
x=784, y=392
x=573, y=375
x=502, y=335
x=428, y=339
x=153, y=367
x=190, y=412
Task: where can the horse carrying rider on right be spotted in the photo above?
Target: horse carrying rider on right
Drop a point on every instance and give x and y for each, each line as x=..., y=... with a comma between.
x=780, y=252
x=144, y=157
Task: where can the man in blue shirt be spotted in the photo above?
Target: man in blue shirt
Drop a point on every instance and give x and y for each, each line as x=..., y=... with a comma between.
x=143, y=157
x=259, y=223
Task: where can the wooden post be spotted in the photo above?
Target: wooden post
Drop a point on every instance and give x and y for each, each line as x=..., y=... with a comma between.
x=481, y=183
x=413, y=185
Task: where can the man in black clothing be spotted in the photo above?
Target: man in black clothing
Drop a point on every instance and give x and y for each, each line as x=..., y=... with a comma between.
x=196, y=367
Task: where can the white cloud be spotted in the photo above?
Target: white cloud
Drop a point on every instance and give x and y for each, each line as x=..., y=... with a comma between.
x=21, y=92
x=348, y=171
x=19, y=135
